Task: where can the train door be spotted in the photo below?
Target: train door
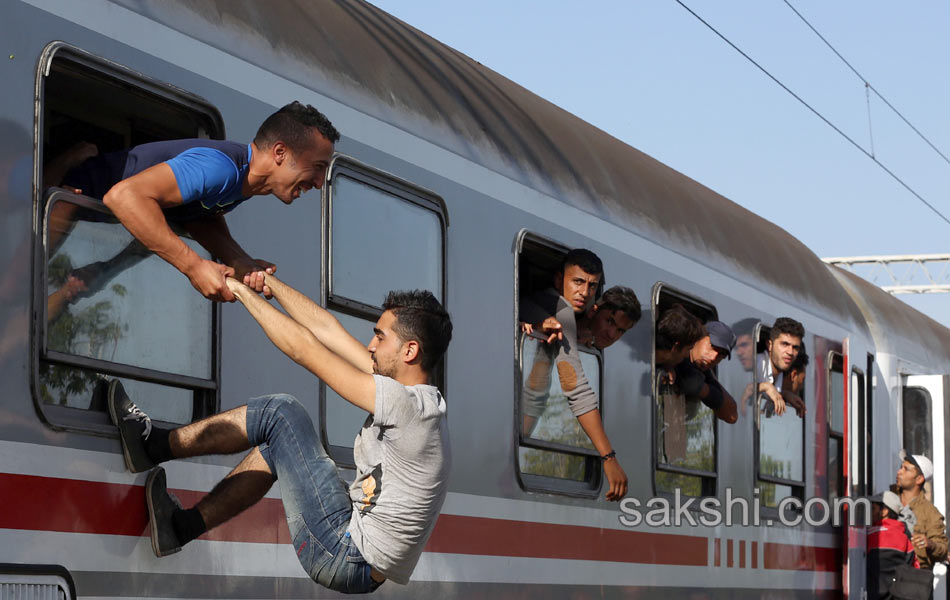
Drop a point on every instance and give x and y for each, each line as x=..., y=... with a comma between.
x=848, y=390
x=924, y=409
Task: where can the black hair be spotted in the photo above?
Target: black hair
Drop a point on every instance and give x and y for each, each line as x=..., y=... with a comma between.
x=745, y=326
x=292, y=125
x=623, y=299
x=421, y=317
x=800, y=362
x=678, y=326
x=789, y=326
x=584, y=259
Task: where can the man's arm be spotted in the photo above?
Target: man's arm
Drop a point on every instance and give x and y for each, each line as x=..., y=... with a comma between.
x=138, y=202
x=324, y=326
x=593, y=426
x=214, y=236
x=298, y=343
x=774, y=395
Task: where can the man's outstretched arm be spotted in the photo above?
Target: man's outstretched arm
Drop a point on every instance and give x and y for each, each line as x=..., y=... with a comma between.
x=213, y=234
x=298, y=343
x=138, y=202
x=323, y=325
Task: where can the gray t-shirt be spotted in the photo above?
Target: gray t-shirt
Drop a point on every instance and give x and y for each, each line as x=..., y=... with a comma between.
x=402, y=457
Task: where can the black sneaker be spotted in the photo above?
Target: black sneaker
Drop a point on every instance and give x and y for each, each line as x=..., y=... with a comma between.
x=134, y=426
x=161, y=505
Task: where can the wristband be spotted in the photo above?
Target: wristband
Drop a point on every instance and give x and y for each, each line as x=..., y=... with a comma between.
x=609, y=455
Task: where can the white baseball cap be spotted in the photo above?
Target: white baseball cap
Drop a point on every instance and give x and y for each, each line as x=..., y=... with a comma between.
x=921, y=462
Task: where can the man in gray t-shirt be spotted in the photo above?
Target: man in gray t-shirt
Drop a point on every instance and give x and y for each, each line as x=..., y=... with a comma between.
x=347, y=540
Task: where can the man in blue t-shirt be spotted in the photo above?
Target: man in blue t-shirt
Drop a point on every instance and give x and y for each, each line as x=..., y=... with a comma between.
x=193, y=183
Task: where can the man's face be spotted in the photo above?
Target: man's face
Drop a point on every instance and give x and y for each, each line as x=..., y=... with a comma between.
x=385, y=347
x=797, y=380
x=577, y=286
x=704, y=355
x=783, y=351
x=907, y=475
x=876, y=512
x=678, y=354
x=745, y=350
x=299, y=172
x=608, y=326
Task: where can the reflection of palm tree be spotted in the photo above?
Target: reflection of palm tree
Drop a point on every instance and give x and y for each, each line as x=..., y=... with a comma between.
x=89, y=331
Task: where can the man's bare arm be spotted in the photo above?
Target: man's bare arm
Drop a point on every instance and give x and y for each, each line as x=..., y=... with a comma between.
x=324, y=326
x=213, y=234
x=138, y=202
x=593, y=426
x=298, y=343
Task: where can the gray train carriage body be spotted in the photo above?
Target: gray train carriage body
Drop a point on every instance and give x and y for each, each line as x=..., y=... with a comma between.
x=451, y=178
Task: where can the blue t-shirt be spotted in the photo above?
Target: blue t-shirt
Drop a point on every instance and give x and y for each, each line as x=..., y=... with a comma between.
x=209, y=173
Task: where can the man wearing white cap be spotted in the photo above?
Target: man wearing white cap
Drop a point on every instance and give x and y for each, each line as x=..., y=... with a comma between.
x=929, y=532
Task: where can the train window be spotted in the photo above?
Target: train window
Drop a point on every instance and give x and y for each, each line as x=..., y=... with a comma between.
x=108, y=307
x=836, y=427
x=685, y=431
x=368, y=214
x=917, y=431
x=780, y=439
x=554, y=452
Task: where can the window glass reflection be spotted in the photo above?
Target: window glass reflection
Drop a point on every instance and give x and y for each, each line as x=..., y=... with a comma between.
x=545, y=412
x=781, y=446
x=546, y=463
x=110, y=299
x=835, y=473
x=836, y=395
x=62, y=385
x=916, y=416
x=343, y=420
x=380, y=243
x=685, y=437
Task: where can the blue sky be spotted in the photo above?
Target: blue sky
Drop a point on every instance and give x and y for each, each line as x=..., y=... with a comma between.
x=652, y=75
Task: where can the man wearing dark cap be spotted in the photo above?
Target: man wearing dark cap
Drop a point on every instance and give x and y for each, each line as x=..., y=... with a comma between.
x=929, y=531
x=888, y=547
x=695, y=375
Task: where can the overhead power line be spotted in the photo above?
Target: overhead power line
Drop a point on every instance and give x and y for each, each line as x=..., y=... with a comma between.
x=868, y=83
x=817, y=114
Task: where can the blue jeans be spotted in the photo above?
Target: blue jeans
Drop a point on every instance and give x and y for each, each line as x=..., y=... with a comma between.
x=316, y=500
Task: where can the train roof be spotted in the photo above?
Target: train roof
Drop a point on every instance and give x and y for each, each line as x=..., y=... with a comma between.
x=896, y=328
x=367, y=59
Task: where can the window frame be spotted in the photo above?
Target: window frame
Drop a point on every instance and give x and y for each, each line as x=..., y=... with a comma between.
x=402, y=189
x=659, y=288
x=206, y=391
x=798, y=487
x=590, y=487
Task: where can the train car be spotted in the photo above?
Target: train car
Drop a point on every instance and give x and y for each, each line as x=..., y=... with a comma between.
x=452, y=178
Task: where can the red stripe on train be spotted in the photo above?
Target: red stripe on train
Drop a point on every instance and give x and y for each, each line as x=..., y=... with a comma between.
x=70, y=505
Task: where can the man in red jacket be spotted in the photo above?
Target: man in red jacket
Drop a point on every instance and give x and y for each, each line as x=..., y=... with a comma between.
x=888, y=545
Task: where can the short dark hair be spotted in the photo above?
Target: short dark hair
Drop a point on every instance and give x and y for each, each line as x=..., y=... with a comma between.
x=623, y=299
x=292, y=125
x=420, y=317
x=584, y=259
x=800, y=362
x=745, y=326
x=678, y=326
x=789, y=326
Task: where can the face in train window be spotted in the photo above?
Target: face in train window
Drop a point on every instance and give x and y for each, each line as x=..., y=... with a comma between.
x=384, y=235
x=777, y=397
x=565, y=322
x=110, y=308
x=690, y=343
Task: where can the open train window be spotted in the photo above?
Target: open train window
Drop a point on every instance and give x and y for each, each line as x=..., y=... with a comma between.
x=381, y=234
x=779, y=439
x=554, y=452
x=107, y=308
x=685, y=429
